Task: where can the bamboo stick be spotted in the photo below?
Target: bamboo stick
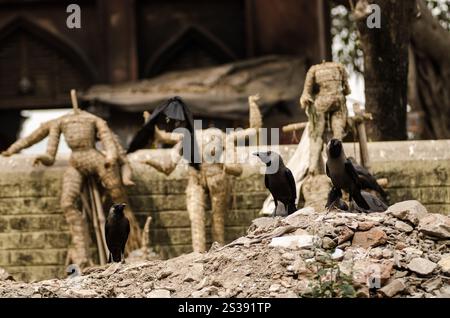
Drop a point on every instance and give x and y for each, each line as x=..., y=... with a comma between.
x=100, y=249
x=362, y=137
x=294, y=127
x=99, y=214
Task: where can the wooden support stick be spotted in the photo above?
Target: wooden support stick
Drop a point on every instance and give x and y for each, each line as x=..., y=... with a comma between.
x=73, y=97
x=100, y=215
x=294, y=127
x=146, y=242
x=362, y=136
x=98, y=235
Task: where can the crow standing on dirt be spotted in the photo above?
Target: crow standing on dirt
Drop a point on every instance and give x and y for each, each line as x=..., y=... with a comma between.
x=117, y=228
x=343, y=174
x=281, y=184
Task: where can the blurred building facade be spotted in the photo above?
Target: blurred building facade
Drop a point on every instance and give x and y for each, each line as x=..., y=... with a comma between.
x=119, y=41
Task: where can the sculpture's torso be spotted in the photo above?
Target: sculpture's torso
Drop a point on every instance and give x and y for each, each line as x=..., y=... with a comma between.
x=79, y=131
x=329, y=90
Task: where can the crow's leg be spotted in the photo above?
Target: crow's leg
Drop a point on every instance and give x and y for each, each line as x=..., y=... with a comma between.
x=274, y=214
x=351, y=207
x=333, y=197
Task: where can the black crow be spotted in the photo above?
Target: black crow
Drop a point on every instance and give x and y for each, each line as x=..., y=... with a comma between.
x=280, y=182
x=343, y=174
x=117, y=229
x=375, y=204
x=174, y=113
x=366, y=179
x=335, y=199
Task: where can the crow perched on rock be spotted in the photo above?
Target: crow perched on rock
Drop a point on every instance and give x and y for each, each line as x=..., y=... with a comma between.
x=335, y=200
x=117, y=229
x=343, y=174
x=280, y=183
x=366, y=179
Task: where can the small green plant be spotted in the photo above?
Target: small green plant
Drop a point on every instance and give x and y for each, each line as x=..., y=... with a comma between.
x=330, y=282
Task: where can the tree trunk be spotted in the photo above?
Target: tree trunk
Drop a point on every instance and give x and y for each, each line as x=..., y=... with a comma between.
x=386, y=67
x=430, y=77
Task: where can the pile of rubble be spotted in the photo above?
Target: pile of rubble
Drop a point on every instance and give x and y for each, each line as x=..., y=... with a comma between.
x=403, y=252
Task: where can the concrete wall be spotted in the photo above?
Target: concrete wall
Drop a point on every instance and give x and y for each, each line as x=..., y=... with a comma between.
x=34, y=235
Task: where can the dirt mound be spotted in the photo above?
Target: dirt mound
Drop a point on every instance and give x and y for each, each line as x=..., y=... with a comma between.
x=401, y=253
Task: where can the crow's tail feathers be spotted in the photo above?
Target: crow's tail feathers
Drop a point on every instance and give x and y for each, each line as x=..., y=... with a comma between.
x=360, y=201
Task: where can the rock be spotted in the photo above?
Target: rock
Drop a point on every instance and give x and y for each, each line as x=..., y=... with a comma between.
x=209, y=291
x=376, y=253
x=294, y=241
x=4, y=275
x=289, y=294
x=387, y=253
x=338, y=255
x=435, y=258
x=195, y=273
x=84, y=293
x=386, y=271
x=432, y=284
x=328, y=243
x=393, y=288
x=345, y=234
x=444, y=263
x=400, y=245
x=163, y=274
x=365, y=226
x=274, y=288
x=298, y=267
x=297, y=218
x=306, y=254
x=372, y=238
x=400, y=274
x=435, y=225
x=367, y=272
x=363, y=292
x=159, y=293
x=288, y=256
x=353, y=225
x=404, y=227
x=445, y=291
x=263, y=223
x=411, y=211
x=421, y=266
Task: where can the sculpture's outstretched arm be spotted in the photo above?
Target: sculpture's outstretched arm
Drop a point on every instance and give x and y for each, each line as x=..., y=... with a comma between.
x=26, y=142
x=106, y=137
x=169, y=161
x=52, y=147
x=307, y=96
x=170, y=138
x=125, y=167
